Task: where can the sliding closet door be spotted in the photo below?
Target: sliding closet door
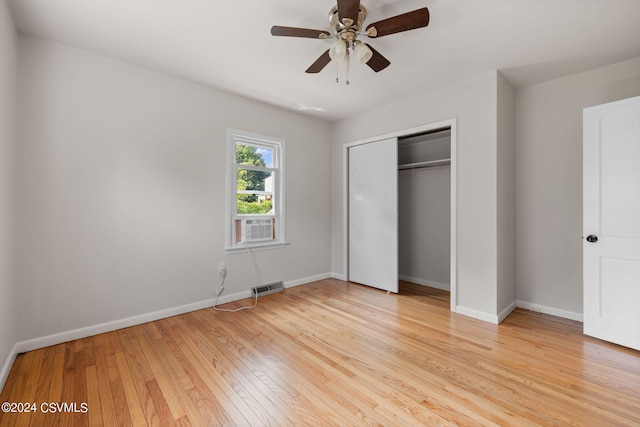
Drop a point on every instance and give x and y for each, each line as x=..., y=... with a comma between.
x=373, y=214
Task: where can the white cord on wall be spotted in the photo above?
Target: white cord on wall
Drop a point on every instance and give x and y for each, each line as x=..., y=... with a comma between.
x=220, y=287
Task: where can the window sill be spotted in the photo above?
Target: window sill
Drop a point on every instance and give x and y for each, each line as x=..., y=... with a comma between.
x=255, y=246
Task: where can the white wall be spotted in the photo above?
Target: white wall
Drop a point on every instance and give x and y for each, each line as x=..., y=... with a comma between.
x=121, y=191
x=549, y=182
x=8, y=45
x=474, y=103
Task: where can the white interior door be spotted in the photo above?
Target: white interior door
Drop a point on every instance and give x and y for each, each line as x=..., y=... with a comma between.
x=373, y=214
x=611, y=248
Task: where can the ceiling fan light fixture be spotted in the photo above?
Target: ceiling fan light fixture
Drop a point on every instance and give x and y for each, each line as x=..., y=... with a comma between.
x=338, y=50
x=362, y=52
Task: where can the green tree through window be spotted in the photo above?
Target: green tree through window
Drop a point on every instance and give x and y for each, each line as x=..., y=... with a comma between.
x=256, y=192
x=251, y=180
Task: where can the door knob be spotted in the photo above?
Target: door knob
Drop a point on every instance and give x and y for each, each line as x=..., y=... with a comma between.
x=592, y=238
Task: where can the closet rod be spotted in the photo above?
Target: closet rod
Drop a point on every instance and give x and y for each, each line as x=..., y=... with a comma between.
x=428, y=164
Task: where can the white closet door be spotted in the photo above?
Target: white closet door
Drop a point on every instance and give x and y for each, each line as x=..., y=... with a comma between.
x=373, y=214
x=612, y=222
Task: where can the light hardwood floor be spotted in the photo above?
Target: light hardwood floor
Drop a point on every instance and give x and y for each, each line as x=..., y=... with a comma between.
x=334, y=353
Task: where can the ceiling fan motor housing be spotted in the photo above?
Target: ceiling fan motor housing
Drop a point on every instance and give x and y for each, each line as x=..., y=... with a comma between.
x=346, y=30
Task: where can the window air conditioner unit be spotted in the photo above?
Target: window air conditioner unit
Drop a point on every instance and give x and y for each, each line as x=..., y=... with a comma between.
x=257, y=230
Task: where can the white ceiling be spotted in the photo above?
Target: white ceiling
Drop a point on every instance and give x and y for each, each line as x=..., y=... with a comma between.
x=227, y=44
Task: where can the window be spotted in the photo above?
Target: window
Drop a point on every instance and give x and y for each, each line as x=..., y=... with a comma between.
x=255, y=196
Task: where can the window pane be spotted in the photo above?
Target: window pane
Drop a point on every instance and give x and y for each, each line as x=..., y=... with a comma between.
x=256, y=156
x=254, y=204
x=255, y=195
x=251, y=180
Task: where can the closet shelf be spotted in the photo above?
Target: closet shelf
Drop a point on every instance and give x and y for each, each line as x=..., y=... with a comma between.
x=428, y=164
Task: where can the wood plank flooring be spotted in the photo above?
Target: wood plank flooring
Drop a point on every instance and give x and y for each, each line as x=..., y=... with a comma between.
x=333, y=353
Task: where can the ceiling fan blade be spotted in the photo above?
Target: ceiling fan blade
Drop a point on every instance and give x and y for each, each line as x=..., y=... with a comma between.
x=299, y=32
x=407, y=21
x=348, y=9
x=377, y=61
x=320, y=63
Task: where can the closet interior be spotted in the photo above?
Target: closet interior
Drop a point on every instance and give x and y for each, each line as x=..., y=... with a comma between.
x=424, y=208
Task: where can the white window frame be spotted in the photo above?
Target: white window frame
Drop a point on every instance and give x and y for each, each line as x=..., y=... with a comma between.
x=278, y=145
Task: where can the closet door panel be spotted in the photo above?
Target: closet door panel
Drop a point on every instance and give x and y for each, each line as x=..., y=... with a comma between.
x=373, y=214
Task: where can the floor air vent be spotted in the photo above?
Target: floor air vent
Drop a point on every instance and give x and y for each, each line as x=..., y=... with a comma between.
x=271, y=288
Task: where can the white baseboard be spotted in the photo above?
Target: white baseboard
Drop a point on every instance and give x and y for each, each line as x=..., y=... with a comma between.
x=429, y=283
x=550, y=310
x=310, y=279
x=480, y=315
x=88, y=331
x=4, y=373
x=520, y=304
x=507, y=311
x=337, y=276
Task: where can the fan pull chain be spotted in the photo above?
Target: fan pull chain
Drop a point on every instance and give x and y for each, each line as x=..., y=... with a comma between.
x=347, y=62
x=348, y=59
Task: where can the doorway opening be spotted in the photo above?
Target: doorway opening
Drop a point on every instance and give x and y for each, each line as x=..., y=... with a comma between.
x=424, y=208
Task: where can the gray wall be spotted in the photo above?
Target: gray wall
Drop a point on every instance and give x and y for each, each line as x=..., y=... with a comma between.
x=549, y=182
x=121, y=191
x=8, y=40
x=424, y=222
x=506, y=217
x=474, y=104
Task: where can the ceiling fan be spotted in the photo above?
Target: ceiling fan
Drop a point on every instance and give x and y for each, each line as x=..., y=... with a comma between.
x=346, y=19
